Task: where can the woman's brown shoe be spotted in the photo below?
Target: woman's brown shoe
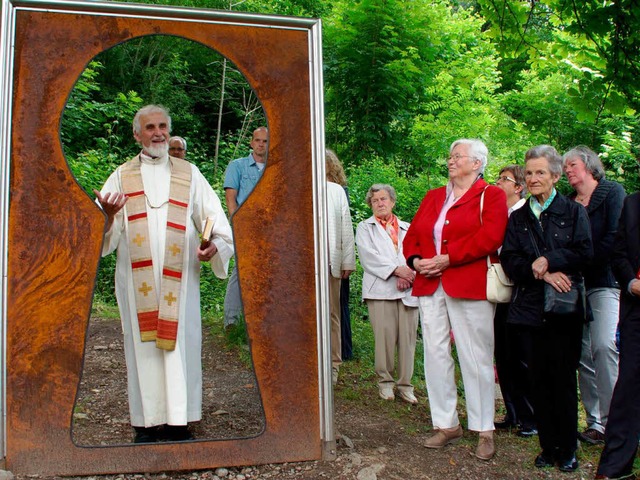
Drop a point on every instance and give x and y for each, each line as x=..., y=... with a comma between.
x=485, y=449
x=444, y=436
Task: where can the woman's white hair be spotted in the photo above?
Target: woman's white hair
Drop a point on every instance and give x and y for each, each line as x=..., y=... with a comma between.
x=477, y=150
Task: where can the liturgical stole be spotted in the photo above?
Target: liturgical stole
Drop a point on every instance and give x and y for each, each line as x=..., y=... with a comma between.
x=157, y=321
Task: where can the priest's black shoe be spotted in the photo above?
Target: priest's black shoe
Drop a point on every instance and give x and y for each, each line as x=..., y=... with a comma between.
x=545, y=459
x=145, y=435
x=177, y=433
x=568, y=464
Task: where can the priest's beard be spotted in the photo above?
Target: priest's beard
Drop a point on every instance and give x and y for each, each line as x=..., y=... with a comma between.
x=157, y=150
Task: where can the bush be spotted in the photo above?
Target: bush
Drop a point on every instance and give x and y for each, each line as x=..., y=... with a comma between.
x=410, y=191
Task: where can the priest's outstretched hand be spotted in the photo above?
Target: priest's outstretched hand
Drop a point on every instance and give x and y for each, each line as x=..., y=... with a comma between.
x=111, y=204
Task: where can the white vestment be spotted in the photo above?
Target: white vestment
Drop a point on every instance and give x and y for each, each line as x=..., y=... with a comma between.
x=165, y=387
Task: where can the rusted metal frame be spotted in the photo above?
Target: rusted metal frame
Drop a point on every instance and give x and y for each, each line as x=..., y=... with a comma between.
x=319, y=208
x=164, y=12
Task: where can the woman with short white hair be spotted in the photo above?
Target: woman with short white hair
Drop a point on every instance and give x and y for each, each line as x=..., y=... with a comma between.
x=456, y=227
x=546, y=247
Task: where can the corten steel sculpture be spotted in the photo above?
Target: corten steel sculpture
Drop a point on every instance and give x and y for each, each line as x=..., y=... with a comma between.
x=55, y=233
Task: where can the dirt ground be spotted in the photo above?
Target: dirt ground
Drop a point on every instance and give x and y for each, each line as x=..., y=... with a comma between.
x=377, y=439
x=231, y=404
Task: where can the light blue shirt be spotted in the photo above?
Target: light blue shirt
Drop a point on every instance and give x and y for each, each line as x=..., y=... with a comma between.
x=242, y=175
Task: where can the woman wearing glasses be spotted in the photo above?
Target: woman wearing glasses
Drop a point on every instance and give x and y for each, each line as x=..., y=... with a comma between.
x=512, y=349
x=456, y=227
x=511, y=181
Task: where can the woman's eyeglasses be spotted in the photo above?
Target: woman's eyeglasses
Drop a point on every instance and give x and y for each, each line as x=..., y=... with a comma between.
x=504, y=178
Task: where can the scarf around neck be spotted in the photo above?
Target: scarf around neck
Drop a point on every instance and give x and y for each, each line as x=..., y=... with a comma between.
x=391, y=227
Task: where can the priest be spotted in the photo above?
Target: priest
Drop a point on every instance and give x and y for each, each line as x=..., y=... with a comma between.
x=156, y=206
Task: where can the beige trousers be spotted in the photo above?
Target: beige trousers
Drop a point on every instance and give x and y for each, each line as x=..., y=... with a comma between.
x=334, y=307
x=394, y=326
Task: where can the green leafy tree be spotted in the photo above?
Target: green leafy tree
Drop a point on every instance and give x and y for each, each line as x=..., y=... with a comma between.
x=462, y=99
x=541, y=102
x=96, y=135
x=377, y=52
x=410, y=191
x=597, y=38
x=619, y=151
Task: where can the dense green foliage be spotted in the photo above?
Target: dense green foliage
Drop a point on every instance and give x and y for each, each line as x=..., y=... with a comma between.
x=403, y=79
x=597, y=38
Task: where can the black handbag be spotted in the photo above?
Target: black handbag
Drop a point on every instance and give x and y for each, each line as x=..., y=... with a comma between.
x=563, y=303
x=566, y=303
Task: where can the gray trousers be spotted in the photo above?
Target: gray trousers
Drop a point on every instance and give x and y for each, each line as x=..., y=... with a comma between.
x=335, y=310
x=598, y=370
x=232, y=299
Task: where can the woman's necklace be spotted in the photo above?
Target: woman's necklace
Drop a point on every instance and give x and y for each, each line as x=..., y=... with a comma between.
x=587, y=190
x=583, y=198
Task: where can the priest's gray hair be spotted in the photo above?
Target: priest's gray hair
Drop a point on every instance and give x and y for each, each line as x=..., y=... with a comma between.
x=148, y=110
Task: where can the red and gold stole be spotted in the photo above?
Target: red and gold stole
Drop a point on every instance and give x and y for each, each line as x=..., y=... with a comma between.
x=391, y=227
x=157, y=322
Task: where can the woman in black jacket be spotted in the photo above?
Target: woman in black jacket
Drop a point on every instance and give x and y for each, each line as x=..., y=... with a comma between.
x=598, y=369
x=548, y=241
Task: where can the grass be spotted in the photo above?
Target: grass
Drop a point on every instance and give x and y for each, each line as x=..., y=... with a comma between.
x=103, y=309
x=235, y=336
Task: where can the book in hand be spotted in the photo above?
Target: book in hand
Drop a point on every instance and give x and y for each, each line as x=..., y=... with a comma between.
x=207, y=233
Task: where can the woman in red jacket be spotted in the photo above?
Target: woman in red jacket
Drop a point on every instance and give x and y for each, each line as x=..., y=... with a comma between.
x=447, y=244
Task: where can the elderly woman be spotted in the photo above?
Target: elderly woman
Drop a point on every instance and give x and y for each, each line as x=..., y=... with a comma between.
x=512, y=349
x=598, y=370
x=386, y=288
x=447, y=244
x=548, y=242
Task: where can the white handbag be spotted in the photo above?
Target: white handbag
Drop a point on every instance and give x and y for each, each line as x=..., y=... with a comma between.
x=499, y=285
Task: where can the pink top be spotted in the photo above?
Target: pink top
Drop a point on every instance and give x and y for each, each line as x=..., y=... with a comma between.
x=438, y=226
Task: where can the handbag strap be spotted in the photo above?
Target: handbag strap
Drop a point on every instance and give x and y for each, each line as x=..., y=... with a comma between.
x=481, y=206
x=533, y=240
x=482, y=202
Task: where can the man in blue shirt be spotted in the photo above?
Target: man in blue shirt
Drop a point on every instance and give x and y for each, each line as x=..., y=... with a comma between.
x=240, y=178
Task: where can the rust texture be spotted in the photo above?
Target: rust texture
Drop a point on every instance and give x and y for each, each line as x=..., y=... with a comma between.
x=55, y=236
